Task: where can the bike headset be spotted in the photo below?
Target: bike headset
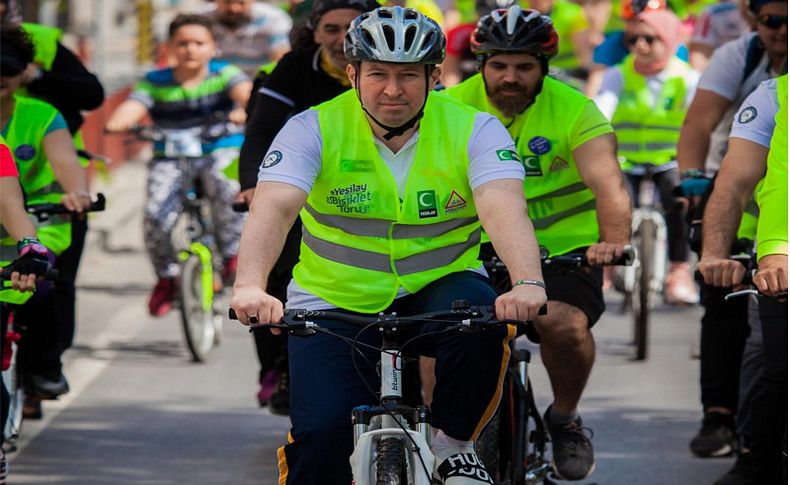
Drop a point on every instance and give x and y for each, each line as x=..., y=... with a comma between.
x=515, y=31
x=395, y=35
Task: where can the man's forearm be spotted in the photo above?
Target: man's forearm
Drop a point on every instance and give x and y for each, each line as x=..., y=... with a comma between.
x=718, y=224
x=693, y=147
x=614, y=217
x=261, y=244
x=504, y=217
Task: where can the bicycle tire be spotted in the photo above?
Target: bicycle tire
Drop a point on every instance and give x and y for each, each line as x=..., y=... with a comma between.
x=489, y=445
x=391, y=465
x=197, y=322
x=647, y=240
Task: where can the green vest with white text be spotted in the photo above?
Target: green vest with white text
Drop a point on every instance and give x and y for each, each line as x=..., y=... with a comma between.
x=648, y=129
x=560, y=206
x=360, y=241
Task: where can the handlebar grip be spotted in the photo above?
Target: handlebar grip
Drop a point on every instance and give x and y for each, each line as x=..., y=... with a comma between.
x=240, y=207
x=628, y=257
x=5, y=273
x=232, y=314
x=543, y=310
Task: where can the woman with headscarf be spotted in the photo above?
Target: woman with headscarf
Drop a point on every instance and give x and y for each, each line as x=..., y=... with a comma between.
x=646, y=98
x=310, y=74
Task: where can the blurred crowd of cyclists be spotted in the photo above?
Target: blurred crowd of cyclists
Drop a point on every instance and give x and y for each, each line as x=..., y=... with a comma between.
x=261, y=63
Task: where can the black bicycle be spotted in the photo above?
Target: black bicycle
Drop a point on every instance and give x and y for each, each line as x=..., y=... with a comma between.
x=392, y=440
x=513, y=444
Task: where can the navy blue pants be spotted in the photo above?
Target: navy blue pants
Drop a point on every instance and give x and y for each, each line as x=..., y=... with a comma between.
x=325, y=386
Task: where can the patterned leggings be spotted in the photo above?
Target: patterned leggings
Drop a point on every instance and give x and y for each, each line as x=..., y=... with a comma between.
x=164, y=205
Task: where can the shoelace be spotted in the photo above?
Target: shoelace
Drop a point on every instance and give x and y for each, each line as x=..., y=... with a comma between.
x=575, y=436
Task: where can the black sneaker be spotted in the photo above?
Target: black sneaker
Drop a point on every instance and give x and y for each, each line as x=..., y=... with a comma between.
x=279, y=401
x=571, y=449
x=48, y=386
x=740, y=473
x=716, y=437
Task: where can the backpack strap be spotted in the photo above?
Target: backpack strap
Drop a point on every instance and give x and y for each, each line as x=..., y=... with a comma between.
x=754, y=54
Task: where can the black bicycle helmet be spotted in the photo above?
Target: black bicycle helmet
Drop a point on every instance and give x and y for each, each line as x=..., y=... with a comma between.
x=395, y=34
x=320, y=7
x=485, y=7
x=515, y=30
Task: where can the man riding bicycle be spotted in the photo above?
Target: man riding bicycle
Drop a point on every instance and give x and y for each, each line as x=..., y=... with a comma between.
x=390, y=180
x=576, y=198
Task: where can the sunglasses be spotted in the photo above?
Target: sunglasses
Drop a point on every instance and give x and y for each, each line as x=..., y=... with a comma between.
x=773, y=22
x=631, y=40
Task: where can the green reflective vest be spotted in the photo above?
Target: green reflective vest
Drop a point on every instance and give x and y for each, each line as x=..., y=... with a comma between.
x=45, y=39
x=11, y=296
x=772, y=197
x=26, y=132
x=561, y=207
x=648, y=129
x=360, y=241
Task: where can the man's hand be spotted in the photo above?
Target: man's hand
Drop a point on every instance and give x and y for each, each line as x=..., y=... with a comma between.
x=721, y=272
x=604, y=253
x=771, y=278
x=251, y=302
x=245, y=196
x=77, y=201
x=521, y=303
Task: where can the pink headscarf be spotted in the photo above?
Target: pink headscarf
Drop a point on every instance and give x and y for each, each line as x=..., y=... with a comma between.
x=668, y=27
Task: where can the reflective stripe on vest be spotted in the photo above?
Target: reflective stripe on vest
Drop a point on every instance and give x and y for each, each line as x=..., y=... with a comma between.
x=361, y=240
x=426, y=261
x=556, y=196
x=647, y=128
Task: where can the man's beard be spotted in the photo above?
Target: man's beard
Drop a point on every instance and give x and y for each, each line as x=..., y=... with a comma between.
x=234, y=21
x=510, y=105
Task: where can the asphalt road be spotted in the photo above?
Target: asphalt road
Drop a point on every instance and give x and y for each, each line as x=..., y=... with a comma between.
x=139, y=412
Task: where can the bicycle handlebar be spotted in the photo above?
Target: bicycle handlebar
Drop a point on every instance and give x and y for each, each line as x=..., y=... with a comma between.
x=5, y=274
x=297, y=321
x=240, y=207
x=571, y=261
x=43, y=211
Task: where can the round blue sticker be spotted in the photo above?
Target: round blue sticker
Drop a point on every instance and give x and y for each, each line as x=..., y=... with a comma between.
x=539, y=145
x=25, y=152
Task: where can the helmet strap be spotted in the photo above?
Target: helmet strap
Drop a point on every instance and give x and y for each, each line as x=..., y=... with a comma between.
x=392, y=132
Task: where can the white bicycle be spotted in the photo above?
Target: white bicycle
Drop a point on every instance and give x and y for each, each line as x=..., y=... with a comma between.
x=392, y=441
x=643, y=281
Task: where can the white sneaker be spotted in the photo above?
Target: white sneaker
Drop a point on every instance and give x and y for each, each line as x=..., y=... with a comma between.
x=462, y=467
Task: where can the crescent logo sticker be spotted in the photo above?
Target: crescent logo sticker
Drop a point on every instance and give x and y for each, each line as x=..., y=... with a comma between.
x=426, y=204
x=747, y=115
x=272, y=159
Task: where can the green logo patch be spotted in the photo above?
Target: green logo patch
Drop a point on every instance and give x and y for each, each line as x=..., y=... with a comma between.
x=507, y=155
x=426, y=203
x=532, y=166
x=356, y=166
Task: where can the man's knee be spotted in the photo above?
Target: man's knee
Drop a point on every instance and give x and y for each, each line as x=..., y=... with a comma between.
x=564, y=327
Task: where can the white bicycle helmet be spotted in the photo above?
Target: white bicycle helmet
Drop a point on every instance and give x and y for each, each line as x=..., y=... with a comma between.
x=395, y=34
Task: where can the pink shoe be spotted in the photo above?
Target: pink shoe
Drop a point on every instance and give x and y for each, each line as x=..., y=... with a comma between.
x=268, y=386
x=162, y=297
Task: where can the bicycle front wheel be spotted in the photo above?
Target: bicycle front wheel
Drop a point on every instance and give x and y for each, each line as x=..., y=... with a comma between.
x=641, y=297
x=391, y=465
x=197, y=315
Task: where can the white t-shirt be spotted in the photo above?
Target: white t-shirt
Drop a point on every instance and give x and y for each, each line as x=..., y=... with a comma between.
x=756, y=119
x=297, y=149
x=612, y=86
x=724, y=76
x=719, y=24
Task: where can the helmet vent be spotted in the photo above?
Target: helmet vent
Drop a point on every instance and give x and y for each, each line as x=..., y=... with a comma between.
x=410, y=15
x=411, y=32
x=389, y=36
x=385, y=14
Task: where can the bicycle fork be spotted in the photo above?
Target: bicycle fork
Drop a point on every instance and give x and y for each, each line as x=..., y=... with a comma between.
x=408, y=424
x=529, y=465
